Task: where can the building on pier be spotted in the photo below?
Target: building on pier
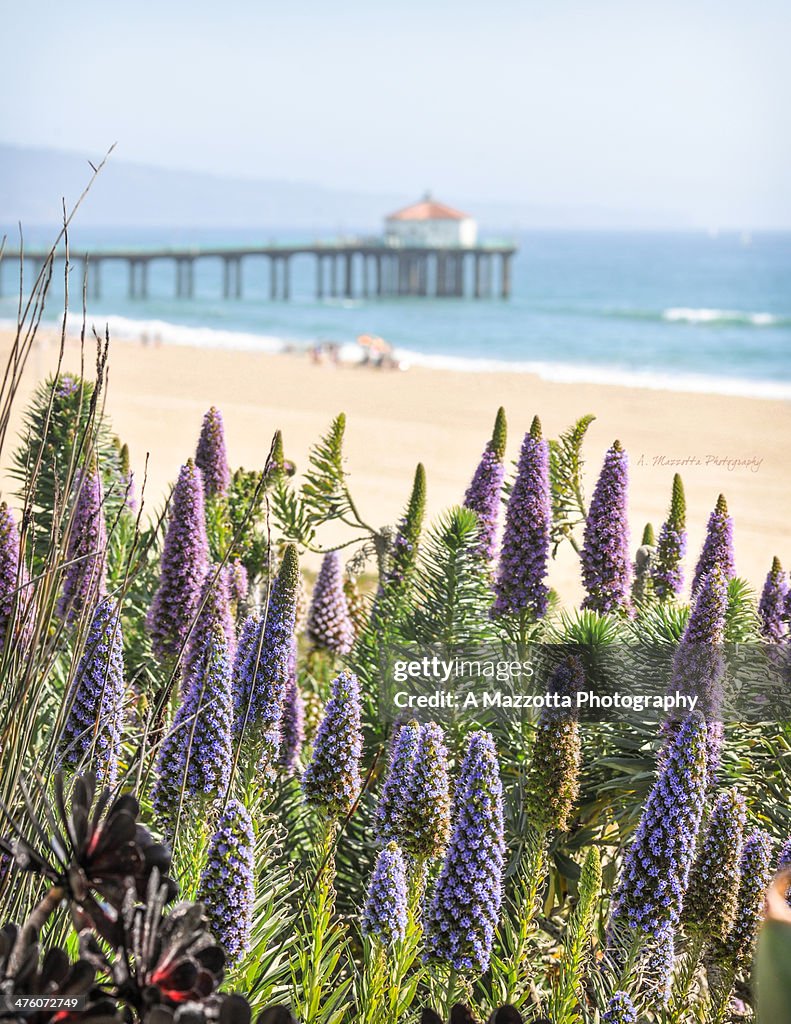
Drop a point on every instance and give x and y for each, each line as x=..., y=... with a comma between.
x=429, y=224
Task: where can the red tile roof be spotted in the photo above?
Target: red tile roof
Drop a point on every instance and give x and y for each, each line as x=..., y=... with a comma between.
x=428, y=209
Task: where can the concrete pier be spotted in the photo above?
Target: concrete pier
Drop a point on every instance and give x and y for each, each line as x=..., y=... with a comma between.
x=357, y=269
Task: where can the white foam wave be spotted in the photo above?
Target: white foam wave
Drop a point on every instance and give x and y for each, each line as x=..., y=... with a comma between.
x=683, y=314
x=582, y=373
x=563, y=373
x=161, y=331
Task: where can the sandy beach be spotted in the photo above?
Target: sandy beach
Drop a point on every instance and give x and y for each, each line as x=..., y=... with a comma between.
x=738, y=446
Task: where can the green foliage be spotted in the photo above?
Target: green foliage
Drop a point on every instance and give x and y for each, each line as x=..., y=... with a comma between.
x=133, y=572
x=237, y=522
x=291, y=514
x=388, y=984
x=565, y=471
x=451, y=595
x=62, y=428
x=565, y=1005
x=597, y=638
x=403, y=553
x=320, y=981
x=324, y=497
x=658, y=624
x=324, y=490
x=264, y=974
x=742, y=624
x=517, y=950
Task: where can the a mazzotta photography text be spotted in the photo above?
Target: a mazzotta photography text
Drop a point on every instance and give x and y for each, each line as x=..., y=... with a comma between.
x=584, y=700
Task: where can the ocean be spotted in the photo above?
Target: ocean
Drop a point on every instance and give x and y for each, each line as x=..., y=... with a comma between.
x=692, y=312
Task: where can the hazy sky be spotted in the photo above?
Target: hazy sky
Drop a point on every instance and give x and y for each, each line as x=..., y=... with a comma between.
x=676, y=107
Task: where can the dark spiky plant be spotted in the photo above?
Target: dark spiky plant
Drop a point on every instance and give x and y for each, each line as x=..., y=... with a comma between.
x=27, y=975
x=93, y=856
x=87, y=851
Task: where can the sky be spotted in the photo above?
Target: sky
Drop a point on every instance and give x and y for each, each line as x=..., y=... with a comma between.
x=668, y=109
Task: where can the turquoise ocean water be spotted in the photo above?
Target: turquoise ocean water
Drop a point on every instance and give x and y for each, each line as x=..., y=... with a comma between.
x=685, y=311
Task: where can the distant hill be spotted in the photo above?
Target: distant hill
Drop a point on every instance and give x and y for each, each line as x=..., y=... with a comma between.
x=33, y=180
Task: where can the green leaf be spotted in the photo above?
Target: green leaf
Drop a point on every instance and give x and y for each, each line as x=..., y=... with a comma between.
x=452, y=596
x=63, y=427
x=565, y=471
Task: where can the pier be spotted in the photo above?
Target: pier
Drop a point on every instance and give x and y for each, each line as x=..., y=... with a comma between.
x=345, y=270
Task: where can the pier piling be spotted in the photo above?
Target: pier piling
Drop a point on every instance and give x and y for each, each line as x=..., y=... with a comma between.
x=348, y=276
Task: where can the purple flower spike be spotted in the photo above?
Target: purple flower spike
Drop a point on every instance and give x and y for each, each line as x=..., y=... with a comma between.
x=238, y=582
x=660, y=963
x=195, y=756
x=464, y=912
x=667, y=570
x=606, y=566
x=85, y=582
x=520, y=586
x=227, y=887
x=699, y=662
x=211, y=457
x=483, y=494
x=262, y=668
x=385, y=914
x=332, y=780
x=292, y=725
x=15, y=589
x=213, y=609
x=756, y=873
x=554, y=774
x=772, y=606
x=717, y=547
x=92, y=733
x=654, y=878
x=185, y=559
x=711, y=898
x=425, y=819
x=330, y=626
x=620, y=1010
x=392, y=803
